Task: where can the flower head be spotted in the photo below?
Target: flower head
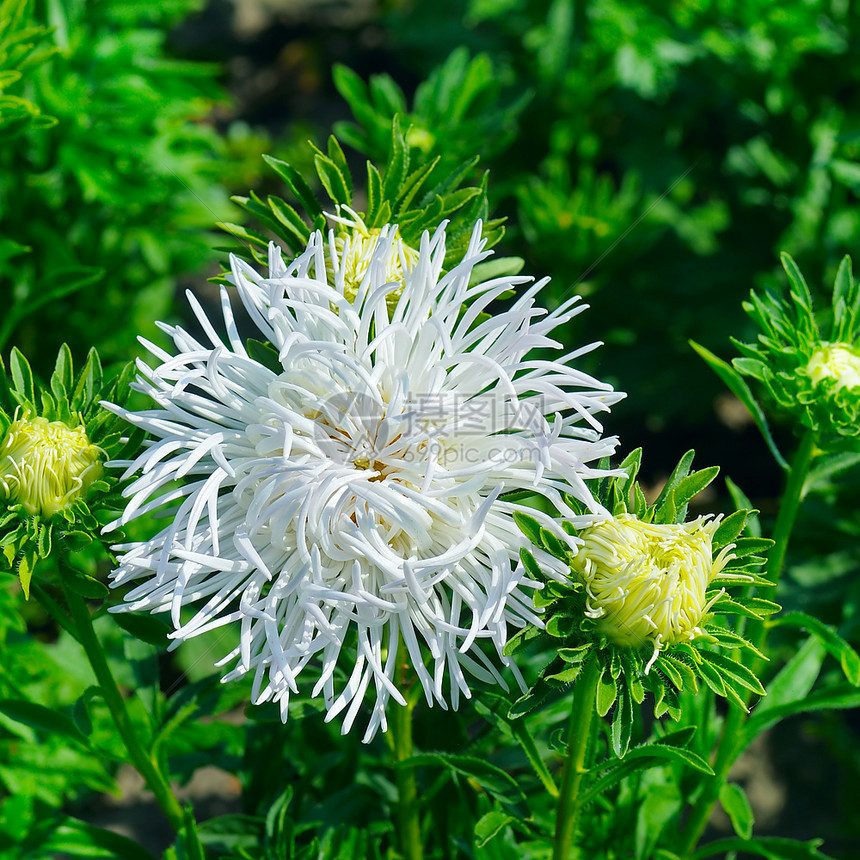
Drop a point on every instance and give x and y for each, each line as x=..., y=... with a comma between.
x=51, y=464
x=836, y=363
x=807, y=370
x=640, y=596
x=343, y=494
x=46, y=465
x=648, y=582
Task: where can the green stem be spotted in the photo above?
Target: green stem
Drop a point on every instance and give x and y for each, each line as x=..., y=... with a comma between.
x=727, y=751
x=143, y=762
x=788, y=508
x=581, y=715
x=408, y=821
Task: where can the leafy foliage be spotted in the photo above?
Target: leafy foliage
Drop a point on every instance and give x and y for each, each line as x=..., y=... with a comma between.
x=97, y=226
x=416, y=198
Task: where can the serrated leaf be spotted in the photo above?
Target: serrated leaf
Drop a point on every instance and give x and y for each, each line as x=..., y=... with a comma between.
x=737, y=671
x=671, y=753
x=335, y=183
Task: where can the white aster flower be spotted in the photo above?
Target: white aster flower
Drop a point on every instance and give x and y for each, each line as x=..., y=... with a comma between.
x=345, y=500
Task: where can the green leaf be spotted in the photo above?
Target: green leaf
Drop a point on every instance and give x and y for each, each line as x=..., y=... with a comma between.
x=622, y=722
x=264, y=353
x=671, y=753
x=742, y=503
x=296, y=183
x=78, y=839
x=491, y=825
x=529, y=526
x=84, y=585
x=554, y=545
x=731, y=669
x=829, y=638
x=25, y=565
x=76, y=540
x=742, y=391
x=606, y=693
x=796, y=678
x=838, y=697
x=770, y=847
x=147, y=628
x=492, y=779
x=734, y=801
x=298, y=231
x=40, y=717
x=395, y=170
x=335, y=183
x=22, y=377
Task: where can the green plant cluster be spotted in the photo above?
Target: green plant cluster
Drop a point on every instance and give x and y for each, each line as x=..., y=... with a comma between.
x=107, y=190
x=416, y=197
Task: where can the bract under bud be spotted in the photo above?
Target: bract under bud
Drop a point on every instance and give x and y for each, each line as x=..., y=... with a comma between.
x=46, y=465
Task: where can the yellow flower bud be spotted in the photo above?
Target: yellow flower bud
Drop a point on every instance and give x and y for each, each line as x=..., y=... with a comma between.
x=837, y=362
x=646, y=582
x=46, y=465
x=355, y=244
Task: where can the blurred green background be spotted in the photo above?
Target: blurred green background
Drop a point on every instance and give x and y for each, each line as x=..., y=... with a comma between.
x=654, y=157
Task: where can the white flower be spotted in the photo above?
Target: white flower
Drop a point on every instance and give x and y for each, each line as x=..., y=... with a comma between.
x=346, y=497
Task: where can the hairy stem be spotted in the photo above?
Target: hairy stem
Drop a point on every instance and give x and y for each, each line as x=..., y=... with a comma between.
x=142, y=761
x=581, y=715
x=727, y=749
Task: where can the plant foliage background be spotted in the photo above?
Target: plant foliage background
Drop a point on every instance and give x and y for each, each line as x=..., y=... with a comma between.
x=655, y=158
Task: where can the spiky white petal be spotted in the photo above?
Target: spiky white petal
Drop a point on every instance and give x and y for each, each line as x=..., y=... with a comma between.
x=348, y=498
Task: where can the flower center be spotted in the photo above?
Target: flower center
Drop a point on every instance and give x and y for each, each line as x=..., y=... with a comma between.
x=46, y=465
x=646, y=582
x=836, y=362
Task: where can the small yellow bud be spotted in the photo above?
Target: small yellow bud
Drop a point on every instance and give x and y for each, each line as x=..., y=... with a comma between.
x=837, y=362
x=46, y=465
x=355, y=244
x=646, y=582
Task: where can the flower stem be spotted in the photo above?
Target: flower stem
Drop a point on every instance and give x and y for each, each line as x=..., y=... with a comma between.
x=143, y=762
x=788, y=507
x=581, y=715
x=408, y=821
x=727, y=749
